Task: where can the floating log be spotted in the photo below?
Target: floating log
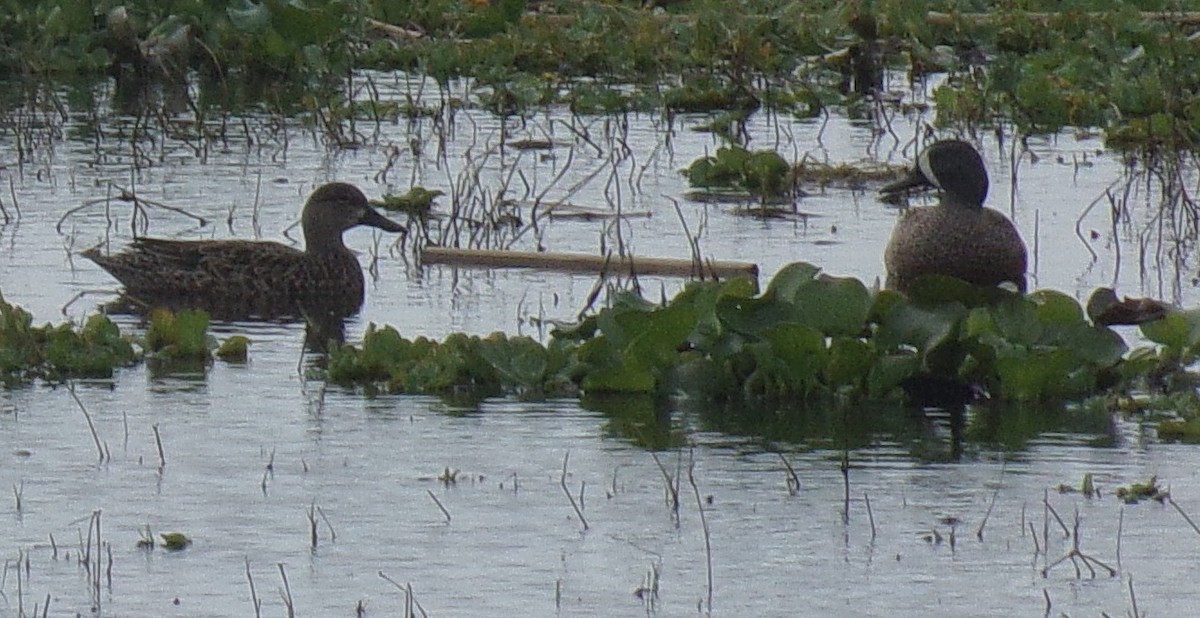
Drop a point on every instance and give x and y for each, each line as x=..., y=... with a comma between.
x=580, y=262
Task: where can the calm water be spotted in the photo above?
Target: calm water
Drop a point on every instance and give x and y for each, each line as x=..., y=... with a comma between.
x=513, y=545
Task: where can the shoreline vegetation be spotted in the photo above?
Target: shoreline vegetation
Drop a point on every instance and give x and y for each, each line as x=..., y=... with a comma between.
x=1125, y=68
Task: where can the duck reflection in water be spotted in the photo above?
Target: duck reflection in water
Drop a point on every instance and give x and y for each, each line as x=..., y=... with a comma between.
x=256, y=280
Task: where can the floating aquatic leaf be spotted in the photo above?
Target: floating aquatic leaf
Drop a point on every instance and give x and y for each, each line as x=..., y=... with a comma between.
x=175, y=541
x=234, y=349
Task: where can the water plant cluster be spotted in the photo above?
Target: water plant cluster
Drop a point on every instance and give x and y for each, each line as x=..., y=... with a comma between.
x=762, y=173
x=809, y=337
x=56, y=353
x=96, y=349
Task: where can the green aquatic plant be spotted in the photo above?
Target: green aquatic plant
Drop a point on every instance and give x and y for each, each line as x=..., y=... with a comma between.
x=762, y=173
x=235, y=349
x=57, y=353
x=179, y=336
x=93, y=351
x=460, y=364
x=1134, y=493
x=807, y=337
x=175, y=541
x=417, y=202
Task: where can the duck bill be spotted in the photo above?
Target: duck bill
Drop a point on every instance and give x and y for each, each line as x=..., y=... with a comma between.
x=372, y=218
x=915, y=179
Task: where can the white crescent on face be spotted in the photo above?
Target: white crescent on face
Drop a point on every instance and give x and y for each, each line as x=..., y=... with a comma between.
x=927, y=169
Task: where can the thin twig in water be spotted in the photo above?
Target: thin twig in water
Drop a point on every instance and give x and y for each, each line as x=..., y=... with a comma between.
x=1050, y=509
x=1120, y=528
x=793, y=481
x=707, y=536
x=1133, y=598
x=162, y=459
x=562, y=481
x=870, y=514
x=287, y=592
x=88, y=416
x=253, y=593
x=1181, y=512
x=445, y=513
x=312, y=525
x=845, y=468
x=986, y=515
x=332, y=532
x=409, y=599
x=672, y=490
x=1075, y=552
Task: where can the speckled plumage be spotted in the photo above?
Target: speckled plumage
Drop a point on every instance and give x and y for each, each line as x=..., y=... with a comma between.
x=958, y=237
x=235, y=279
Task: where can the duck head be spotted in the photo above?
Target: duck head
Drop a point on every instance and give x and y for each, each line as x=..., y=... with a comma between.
x=336, y=207
x=953, y=167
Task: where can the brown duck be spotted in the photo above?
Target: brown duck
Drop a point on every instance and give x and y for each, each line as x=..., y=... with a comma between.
x=958, y=237
x=240, y=279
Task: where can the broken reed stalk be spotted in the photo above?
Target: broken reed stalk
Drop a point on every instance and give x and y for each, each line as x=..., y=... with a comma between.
x=986, y=515
x=312, y=525
x=1076, y=553
x=1120, y=528
x=704, y=527
x=268, y=472
x=871, y=514
x=1133, y=598
x=672, y=490
x=12, y=191
x=1050, y=510
x=88, y=417
x=20, y=588
x=409, y=599
x=286, y=593
x=162, y=459
x=845, y=468
x=793, y=481
x=253, y=593
x=562, y=481
x=94, y=569
x=693, y=240
x=332, y=532
x=1185, y=515
x=445, y=513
